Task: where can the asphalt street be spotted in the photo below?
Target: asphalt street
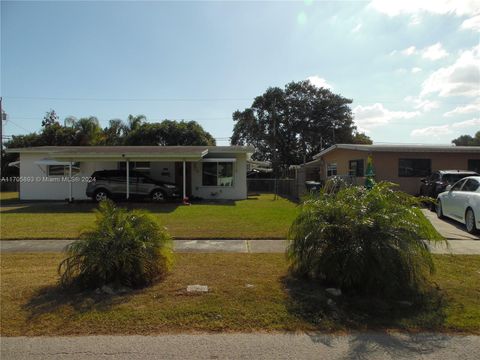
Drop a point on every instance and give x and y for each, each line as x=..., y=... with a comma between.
x=382, y=346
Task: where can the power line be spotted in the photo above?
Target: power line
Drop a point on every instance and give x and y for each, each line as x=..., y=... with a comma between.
x=17, y=125
x=355, y=100
x=126, y=99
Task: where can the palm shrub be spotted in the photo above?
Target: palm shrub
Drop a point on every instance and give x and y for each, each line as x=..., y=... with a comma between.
x=123, y=247
x=363, y=241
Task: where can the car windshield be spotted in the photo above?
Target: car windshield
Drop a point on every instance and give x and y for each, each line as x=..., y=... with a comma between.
x=453, y=178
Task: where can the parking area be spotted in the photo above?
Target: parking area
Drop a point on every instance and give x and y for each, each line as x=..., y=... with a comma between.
x=449, y=229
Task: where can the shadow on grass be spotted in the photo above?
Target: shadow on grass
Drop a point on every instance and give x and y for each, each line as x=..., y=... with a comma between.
x=54, y=299
x=310, y=302
x=60, y=207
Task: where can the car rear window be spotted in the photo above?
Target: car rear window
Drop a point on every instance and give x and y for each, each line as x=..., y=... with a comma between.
x=453, y=178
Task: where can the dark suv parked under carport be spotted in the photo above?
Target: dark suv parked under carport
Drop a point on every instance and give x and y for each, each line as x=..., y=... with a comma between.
x=439, y=180
x=113, y=184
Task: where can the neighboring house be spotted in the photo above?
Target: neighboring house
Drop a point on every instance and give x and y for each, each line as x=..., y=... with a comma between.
x=401, y=164
x=208, y=172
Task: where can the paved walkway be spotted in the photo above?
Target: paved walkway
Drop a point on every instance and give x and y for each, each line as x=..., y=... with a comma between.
x=458, y=247
x=245, y=346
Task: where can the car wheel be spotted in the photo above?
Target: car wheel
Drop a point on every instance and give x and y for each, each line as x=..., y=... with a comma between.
x=470, y=221
x=439, y=210
x=100, y=195
x=158, y=196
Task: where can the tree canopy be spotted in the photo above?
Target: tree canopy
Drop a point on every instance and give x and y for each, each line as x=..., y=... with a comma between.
x=135, y=131
x=87, y=131
x=467, y=140
x=288, y=126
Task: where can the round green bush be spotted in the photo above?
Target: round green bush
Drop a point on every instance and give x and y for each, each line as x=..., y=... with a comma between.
x=363, y=241
x=123, y=248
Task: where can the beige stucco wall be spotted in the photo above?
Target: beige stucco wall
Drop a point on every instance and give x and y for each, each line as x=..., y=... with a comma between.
x=386, y=164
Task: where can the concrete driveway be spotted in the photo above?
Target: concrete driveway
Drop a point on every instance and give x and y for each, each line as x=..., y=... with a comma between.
x=449, y=229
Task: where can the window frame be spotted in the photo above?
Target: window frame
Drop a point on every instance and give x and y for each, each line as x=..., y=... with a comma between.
x=350, y=162
x=466, y=182
x=421, y=175
x=66, y=172
x=217, y=171
x=330, y=168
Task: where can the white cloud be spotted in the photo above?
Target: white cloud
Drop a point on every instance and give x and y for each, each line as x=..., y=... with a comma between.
x=357, y=28
x=460, y=79
x=471, y=24
x=467, y=123
x=436, y=131
x=466, y=109
x=434, y=52
x=319, y=82
x=415, y=19
x=422, y=104
x=416, y=70
x=432, y=131
x=440, y=7
x=371, y=116
x=409, y=51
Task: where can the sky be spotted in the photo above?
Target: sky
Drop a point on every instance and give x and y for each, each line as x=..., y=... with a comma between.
x=412, y=68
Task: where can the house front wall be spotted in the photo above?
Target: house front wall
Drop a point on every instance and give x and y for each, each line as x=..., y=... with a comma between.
x=236, y=192
x=386, y=164
x=36, y=184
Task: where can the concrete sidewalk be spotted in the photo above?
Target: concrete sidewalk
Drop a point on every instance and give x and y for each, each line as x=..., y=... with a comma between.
x=208, y=246
x=382, y=346
x=458, y=247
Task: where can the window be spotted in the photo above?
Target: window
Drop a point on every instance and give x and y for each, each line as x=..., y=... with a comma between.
x=453, y=178
x=356, y=168
x=217, y=174
x=414, y=167
x=474, y=165
x=457, y=185
x=470, y=185
x=331, y=169
x=62, y=170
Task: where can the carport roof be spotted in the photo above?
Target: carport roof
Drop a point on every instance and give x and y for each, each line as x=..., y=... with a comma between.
x=119, y=152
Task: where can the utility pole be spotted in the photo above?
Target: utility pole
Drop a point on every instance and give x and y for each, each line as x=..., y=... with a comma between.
x=1, y=133
x=275, y=171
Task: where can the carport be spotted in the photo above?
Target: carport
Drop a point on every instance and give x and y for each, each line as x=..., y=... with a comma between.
x=128, y=154
x=63, y=172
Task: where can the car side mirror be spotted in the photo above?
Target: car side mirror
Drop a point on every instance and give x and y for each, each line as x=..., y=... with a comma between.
x=448, y=188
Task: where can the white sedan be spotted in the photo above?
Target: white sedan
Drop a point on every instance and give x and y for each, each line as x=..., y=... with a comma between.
x=461, y=202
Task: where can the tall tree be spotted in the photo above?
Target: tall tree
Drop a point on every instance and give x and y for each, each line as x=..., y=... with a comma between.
x=169, y=133
x=467, y=140
x=288, y=126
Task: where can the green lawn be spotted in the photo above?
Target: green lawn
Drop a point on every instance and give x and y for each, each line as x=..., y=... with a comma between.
x=33, y=305
x=258, y=217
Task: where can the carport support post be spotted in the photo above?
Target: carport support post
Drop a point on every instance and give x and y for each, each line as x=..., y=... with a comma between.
x=184, y=182
x=128, y=179
x=70, y=182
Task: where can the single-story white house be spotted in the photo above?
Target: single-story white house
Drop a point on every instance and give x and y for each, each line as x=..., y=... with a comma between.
x=62, y=172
